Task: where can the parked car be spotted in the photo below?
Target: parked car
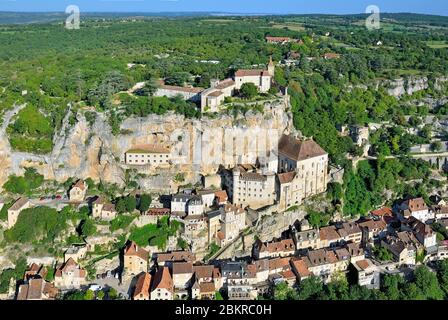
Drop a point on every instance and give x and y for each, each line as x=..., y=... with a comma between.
x=95, y=287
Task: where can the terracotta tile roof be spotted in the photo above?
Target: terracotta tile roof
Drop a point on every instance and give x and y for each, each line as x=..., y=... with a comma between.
x=186, y=256
x=355, y=249
x=288, y=274
x=221, y=196
x=320, y=257
x=286, y=177
x=231, y=207
x=99, y=200
x=149, y=148
x=384, y=211
x=342, y=254
x=216, y=273
x=348, y=228
x=158, y=212
x=19, y=203
x=253, y=176
x=300, y=268
x=71, y=266
x=279, y=263
x=182, y=89
x=80, y=184
x=132, y=249
x=278, y=246
x=220, y=235
x=416, y=204
x=207, y=287
x=332, y=55
x=363, y=264
x=372, y=225
x=299, y=150
x=35, y=270
x=182, y=268
x=329, y=233
x=419, y=227
x=110, y=207
x=252, y=73
x=216, y=93
x=163, y=280
x=203, y=271
x=22, y=293
x=278, y=39
x=225, y=84
x=143, y=284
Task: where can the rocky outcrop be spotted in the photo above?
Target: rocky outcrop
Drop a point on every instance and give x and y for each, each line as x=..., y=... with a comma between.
x=197, y=146
x=409, y=86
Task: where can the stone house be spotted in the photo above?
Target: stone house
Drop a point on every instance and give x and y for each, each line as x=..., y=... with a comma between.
x=350, y=232
x=135, y=259
x=421, y=231
x=329, y=236
x=308, y=239
x=368, y=275
x=273, y=249
x=233, y=221
x=162, y=285
x=416, y=208
x=70, y=276
x=76, y=253
x=142, y=287
x=78, y=191
x=13, y=212
x=167, y=258
x=182, y=275
x=103, y=210
x=403, y=246
x=37, y=289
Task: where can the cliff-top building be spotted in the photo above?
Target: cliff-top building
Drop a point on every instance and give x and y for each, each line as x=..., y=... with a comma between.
x=148, y=154
x=303, y=167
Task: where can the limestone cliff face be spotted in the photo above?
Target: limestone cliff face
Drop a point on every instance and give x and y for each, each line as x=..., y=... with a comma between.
x=83, y=151
x=409, y=86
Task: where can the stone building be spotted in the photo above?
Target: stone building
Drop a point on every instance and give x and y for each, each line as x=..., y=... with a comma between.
x=70, y=276
x=262, y=79
x=78, y=191
x=14, y=211
x=233, y=221
x=154, y=155
x=162, y=286
x=247, y=186
x=103, y=210
x=187, y=93
x=142, y=287
x=303, y=167
x=135, y=259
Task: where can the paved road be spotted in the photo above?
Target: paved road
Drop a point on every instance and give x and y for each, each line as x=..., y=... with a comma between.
x=114, y=283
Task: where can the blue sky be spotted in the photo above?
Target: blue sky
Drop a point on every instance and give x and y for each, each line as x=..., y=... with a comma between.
x=439, y=7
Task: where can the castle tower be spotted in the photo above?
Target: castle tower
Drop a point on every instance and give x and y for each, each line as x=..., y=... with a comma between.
x=271, y=67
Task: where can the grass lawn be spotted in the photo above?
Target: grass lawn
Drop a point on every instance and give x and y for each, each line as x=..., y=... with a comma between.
x=290, y=25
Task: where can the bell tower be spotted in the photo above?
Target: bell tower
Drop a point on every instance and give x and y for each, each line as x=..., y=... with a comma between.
x=271, y=67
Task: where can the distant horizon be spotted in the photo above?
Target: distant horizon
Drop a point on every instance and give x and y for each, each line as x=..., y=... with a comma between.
x=235, y=7
x=222, y=13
